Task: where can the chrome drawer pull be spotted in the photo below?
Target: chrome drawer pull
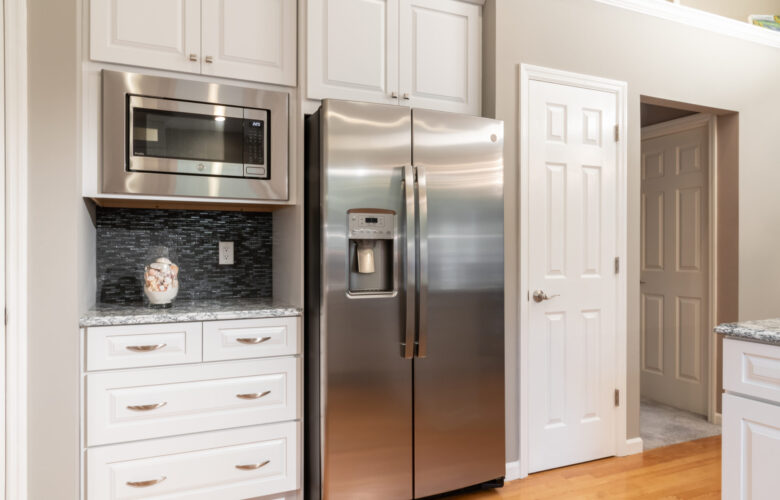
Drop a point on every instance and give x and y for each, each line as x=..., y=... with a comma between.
x=252, y=466
x=144, y=484
x=253, y=340
x=253, y=395
x=145, y=348
x=147, y=407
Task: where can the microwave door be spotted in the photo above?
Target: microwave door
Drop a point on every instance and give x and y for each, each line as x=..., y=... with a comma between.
x=180, y=137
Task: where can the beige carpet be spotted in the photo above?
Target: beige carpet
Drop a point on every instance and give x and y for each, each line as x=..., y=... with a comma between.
x=661, y=425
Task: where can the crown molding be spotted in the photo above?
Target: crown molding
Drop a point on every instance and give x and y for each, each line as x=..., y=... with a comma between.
x=700, y=19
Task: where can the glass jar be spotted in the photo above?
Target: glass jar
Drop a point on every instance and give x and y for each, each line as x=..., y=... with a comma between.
x=161, y=278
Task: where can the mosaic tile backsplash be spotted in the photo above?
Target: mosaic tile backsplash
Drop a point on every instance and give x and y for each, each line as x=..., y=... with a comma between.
x=125, y=237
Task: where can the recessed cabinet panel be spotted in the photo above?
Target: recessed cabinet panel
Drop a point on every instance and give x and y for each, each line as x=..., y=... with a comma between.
x=420, y=53
x=236, y=463
x=128, y=406
x=153, y=33
x=353, y=50
x=250, y=40
x=751, y=445
x=441, y=44
x=245, y=39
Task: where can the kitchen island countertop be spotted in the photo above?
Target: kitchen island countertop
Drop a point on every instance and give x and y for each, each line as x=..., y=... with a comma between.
x=765, y=331
x=186, y=310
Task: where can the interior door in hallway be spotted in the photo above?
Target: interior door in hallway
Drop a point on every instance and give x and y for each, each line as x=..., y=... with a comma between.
x=572, y=245
x=674, y=288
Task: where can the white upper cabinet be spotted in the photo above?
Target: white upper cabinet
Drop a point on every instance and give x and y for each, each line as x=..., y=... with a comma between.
x=441, y=50
x=423, y=53
x=154, y=33
x=353, y=50
x=250, y=40
x=243, y=39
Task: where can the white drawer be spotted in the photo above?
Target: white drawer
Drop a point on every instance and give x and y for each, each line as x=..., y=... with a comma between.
x=130, y=346
x=250, y=338
x=141, y=404
x=232, y=464
x=752, y=369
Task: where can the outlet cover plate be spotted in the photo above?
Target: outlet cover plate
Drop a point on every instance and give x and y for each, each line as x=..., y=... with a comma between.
x=226, y=253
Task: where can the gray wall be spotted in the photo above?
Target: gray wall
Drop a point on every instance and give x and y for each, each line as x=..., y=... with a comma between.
x=58, y=227
x=685, y=64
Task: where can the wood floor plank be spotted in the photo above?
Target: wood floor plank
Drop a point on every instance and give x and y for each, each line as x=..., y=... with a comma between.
x=685, y=471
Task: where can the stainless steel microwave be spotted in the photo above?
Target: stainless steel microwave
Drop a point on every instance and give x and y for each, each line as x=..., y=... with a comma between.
x=183, y=138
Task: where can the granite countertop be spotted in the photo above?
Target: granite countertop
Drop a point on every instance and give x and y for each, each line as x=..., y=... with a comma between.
x=766, y=331
x=186, y=310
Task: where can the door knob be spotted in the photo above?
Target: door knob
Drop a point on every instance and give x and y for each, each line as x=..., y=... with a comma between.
x=539, y=296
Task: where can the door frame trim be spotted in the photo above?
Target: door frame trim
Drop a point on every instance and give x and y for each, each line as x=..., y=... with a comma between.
x=15, y=72
x=530, y=73
x=674, y=127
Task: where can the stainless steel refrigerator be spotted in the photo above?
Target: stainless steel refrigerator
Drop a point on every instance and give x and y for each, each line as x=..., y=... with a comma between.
x=404, y=302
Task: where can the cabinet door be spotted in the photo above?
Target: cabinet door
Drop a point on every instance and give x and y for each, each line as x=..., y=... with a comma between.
x=441, y=55
x=250, y=40
x=161, y=34
x=751, y=445
x=352, y=50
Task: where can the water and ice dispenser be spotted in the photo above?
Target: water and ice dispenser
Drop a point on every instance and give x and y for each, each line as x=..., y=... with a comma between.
x=371, y=235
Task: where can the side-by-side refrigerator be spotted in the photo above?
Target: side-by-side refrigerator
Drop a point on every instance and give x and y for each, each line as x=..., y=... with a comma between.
x=404, y=302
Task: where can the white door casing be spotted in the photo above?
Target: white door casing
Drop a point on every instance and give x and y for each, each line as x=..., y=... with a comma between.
x=674, y=287
x=250, y=40
x=3, y=352
x=441, y=55
x=367, y=30
x=572, y=230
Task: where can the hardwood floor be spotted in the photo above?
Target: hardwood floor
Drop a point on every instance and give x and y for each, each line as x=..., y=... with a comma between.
x=681, y=471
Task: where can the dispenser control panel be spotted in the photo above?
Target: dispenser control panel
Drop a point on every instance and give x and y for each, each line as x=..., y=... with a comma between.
x=371, y=225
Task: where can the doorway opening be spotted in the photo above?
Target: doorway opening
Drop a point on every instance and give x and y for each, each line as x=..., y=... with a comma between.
x=687, y=266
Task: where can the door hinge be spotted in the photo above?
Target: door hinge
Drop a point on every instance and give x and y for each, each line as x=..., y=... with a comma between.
x=617, y=133
x=617, y=265
x=617, y=397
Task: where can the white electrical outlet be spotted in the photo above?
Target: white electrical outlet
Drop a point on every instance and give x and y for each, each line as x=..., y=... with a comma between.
x=226, y=253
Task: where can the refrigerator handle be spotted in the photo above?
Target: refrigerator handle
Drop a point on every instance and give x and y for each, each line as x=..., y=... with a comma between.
x=410, y=262
x=422, y=235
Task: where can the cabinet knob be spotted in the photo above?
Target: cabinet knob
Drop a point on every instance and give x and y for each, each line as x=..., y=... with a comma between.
x=406, y=96
x=193, y=57
x=209, y=59
x=394, y=95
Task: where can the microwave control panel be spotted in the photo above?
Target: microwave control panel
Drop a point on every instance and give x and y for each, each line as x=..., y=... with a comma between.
x=371, y=225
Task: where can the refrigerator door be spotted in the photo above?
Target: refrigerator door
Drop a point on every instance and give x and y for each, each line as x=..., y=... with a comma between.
x=365, y=381
x=459, y=371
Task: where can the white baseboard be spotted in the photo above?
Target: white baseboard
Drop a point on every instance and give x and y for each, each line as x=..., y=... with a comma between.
x=717, y=419
x=512, y=471
x=633, y=446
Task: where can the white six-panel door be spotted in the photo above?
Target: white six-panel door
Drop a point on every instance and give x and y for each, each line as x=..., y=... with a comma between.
x=674, y=273
x=572, y=244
